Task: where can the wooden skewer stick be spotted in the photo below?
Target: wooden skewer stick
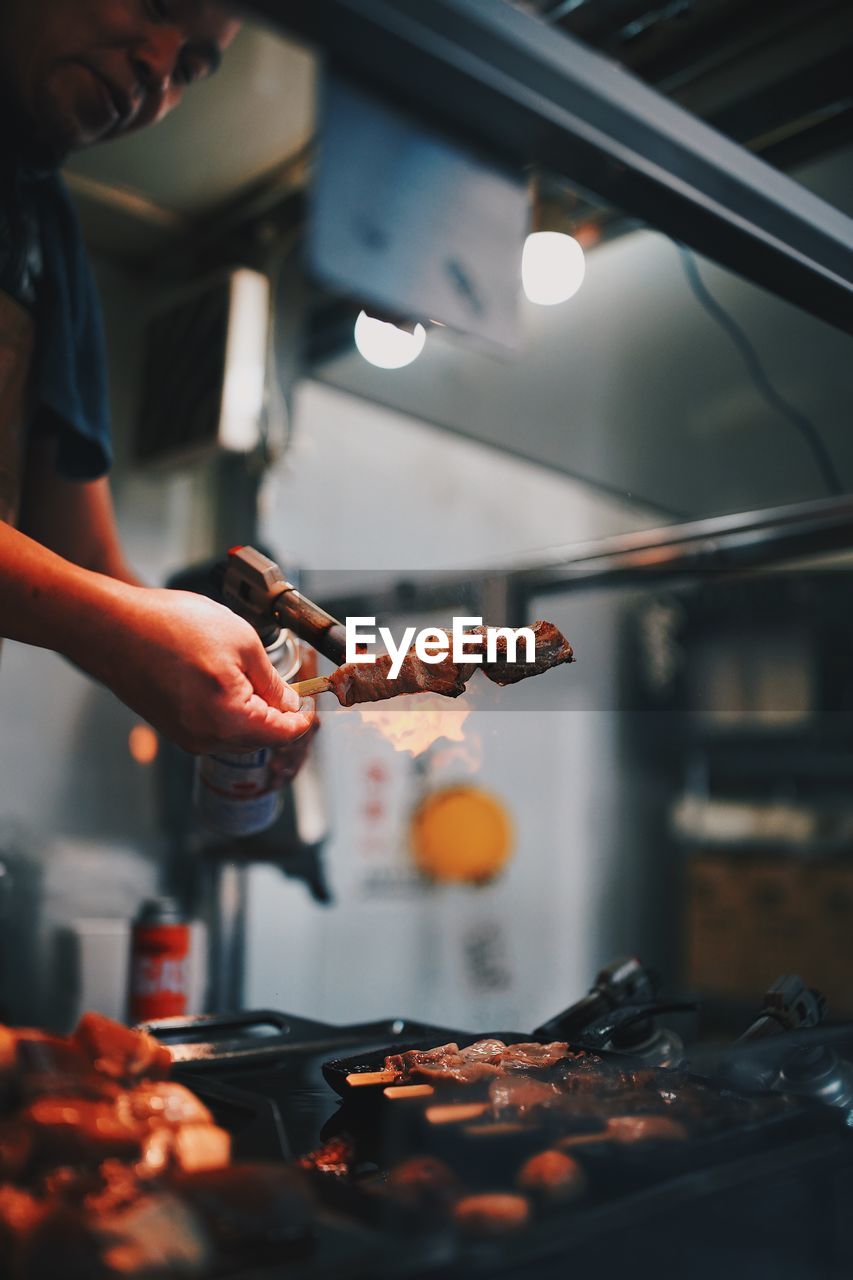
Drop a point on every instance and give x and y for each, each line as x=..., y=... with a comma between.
x=359, y=1079
x=308, y=688
x=499, y=1129
x=456, y=1112
x=409, y=1091
x=582, y=1140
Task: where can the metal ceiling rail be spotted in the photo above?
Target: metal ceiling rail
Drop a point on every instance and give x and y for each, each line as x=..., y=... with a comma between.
x=717, y=545
x=502, y=78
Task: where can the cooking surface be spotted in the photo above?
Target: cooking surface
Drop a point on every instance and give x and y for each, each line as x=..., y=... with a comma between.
x=291, y=1079
x=729, y=1192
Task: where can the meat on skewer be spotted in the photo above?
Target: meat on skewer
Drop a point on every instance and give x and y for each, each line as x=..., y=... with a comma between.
x=361, y=682
x=356, y=682
x=552, y=650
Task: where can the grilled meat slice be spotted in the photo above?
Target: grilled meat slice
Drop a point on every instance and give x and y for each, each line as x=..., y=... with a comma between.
x=358, y=682
x=552, y=650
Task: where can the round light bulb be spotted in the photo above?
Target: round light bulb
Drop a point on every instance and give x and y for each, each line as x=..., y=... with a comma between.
x=552, y=267
x=385, y=345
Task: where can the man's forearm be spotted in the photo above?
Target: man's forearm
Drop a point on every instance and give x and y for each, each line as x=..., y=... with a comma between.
x=73, y=518
x=50, y=602
x=188, y=665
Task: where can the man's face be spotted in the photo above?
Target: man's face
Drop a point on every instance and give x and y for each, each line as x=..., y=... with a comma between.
x=78, y=72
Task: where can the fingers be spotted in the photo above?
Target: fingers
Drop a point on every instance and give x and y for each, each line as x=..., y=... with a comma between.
x=277, y=714
x=266, y=681
x=268, y=726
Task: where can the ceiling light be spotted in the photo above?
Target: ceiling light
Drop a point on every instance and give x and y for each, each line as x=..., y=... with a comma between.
x=387, y=345
x=552, y=267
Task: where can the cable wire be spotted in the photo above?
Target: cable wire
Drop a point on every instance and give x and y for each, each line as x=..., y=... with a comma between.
x=755, y=369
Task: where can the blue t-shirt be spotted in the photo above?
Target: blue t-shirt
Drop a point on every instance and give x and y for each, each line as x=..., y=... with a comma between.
x=43, y=265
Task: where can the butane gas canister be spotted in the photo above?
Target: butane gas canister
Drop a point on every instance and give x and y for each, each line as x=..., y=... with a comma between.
x=159, y=962
x=234, y=795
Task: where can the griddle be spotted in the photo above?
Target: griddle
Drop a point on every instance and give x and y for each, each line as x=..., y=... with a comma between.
x=764, y=1195
x=593, y=1039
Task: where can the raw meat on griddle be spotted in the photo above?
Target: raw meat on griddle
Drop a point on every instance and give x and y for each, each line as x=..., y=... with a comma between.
x=516, y=1096
x=520, y=1057
x=482, y=1060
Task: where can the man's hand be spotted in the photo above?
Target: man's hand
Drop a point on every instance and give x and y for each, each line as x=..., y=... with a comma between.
x=192, y=668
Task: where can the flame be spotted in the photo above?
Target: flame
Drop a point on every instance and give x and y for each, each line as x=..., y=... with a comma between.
x=463, y=756
x=415, y=721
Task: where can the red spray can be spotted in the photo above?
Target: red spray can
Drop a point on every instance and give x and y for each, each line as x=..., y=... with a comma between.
x=159, y=962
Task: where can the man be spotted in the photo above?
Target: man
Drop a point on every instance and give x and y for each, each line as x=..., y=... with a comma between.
x=74, y=73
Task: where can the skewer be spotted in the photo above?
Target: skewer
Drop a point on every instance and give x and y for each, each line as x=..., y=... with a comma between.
x=358, y=1079
x=582, y=1140
x=500, y=1129
x=409, y=1091
x=456, y=1112
x=309, y=688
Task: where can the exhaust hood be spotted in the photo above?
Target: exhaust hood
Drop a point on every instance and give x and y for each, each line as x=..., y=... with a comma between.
x=499, y=77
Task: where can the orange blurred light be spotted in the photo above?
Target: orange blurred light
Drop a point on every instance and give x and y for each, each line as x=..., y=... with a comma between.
x=143, y=744
x=462, y=834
